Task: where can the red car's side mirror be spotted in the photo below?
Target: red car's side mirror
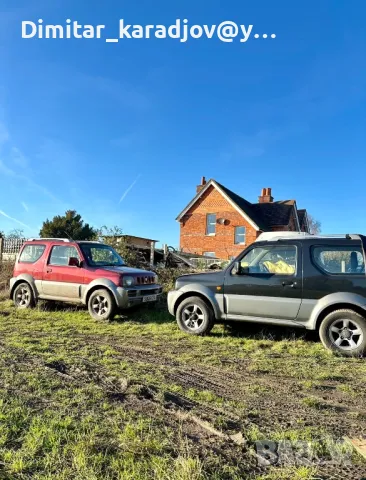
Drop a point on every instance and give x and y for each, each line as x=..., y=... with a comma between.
x=74, y=262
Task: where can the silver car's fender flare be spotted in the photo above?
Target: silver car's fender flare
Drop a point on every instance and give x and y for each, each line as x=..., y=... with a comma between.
x=197, y=290
x=342, y=299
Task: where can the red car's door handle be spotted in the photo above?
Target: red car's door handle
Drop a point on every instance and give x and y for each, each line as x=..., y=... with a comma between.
x=49, y=270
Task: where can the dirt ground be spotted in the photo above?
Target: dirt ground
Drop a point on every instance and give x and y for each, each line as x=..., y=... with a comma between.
x=218, y=395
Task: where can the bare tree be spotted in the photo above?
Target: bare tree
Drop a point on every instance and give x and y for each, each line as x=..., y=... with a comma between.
x=16, y=233
x=315, y=226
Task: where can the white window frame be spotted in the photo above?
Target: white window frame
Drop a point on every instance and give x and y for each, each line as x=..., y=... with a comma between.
x=208, y=223
x=240, y=234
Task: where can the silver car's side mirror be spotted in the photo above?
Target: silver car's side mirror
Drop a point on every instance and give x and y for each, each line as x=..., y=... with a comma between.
x=239, y=270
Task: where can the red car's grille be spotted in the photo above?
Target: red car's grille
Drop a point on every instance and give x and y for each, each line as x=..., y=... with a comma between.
x=145, y=280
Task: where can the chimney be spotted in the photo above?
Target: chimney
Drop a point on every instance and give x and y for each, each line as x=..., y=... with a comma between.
x=203, y=183
x=266, y=196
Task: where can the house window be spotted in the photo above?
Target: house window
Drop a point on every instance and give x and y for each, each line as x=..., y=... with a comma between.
x=209, y=254
x=211, y=224
x=239, y=235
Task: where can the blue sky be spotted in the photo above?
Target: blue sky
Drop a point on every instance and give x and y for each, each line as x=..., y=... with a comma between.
x=81, y=121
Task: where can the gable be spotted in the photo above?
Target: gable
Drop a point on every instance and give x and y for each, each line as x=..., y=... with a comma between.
x=261, y=216
x=217, y=196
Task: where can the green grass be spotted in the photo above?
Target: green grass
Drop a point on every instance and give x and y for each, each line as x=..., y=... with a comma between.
x=86, y=400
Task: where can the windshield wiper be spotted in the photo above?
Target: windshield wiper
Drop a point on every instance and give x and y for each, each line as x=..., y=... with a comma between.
x=112, y=265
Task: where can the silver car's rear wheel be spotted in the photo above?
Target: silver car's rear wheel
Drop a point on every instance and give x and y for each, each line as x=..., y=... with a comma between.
x=346, y=334
x=344, y=331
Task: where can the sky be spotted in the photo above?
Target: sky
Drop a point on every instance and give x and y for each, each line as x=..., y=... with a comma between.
x=123, y=132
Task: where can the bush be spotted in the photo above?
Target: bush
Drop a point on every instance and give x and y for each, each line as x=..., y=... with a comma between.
x=167, y=277
x=6, y=272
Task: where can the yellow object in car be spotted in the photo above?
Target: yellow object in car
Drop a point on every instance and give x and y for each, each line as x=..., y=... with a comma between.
x=279, y=267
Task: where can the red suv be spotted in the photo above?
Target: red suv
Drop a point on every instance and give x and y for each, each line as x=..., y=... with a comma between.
x=87, y=273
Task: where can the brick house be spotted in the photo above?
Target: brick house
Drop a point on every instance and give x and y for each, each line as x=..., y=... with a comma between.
x=220, y=223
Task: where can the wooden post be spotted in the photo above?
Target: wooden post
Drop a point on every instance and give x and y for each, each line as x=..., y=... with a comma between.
x=1, y=248
x=152, y=252
x=165, y=248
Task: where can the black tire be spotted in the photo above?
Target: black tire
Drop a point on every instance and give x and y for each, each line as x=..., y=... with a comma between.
x=23, y=296
x=195, y=316
x=101, y=305
x=344, y=332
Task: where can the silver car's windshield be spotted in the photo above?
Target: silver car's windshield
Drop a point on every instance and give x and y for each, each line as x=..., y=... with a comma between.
x=101, y=256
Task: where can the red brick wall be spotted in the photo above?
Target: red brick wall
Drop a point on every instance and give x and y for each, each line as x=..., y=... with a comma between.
x=193, y=236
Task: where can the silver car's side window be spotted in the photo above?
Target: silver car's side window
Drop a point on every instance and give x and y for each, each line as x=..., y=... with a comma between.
x=277, y=260
x=339, y=260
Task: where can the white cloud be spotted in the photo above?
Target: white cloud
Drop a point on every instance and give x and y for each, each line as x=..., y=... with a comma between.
x=23, y=178
x=129, y=189
x=15, y=158
x=25, y=206
x=14, y=219
x=4, y=134
x=18, y=158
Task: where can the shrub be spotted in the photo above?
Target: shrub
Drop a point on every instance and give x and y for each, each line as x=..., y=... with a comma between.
x=6, y=272
x=168, y=276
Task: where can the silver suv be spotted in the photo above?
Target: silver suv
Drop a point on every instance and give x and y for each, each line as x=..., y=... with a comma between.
x=284, y=278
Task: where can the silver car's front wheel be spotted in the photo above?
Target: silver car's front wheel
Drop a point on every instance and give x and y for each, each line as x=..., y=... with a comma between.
x=194, y=315
x=344, y=331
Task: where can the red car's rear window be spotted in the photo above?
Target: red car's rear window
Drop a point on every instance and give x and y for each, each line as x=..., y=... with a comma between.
x=31, y=253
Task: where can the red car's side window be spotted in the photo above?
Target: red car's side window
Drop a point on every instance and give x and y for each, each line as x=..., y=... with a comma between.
x=31, y=253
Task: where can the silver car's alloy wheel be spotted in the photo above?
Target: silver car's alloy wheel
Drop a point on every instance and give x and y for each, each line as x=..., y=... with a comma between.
x=345, y=334
x=193, y=317
x=100, y=305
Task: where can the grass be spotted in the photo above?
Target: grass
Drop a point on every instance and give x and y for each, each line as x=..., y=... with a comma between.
x=137, y=399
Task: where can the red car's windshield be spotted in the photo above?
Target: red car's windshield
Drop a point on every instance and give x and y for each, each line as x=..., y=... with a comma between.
x=101, y=256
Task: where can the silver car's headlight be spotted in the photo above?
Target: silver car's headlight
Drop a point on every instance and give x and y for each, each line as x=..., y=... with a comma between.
x=128, y=281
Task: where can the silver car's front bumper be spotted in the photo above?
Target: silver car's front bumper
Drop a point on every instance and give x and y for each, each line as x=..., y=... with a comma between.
x=173, y=296
x=126, y=298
